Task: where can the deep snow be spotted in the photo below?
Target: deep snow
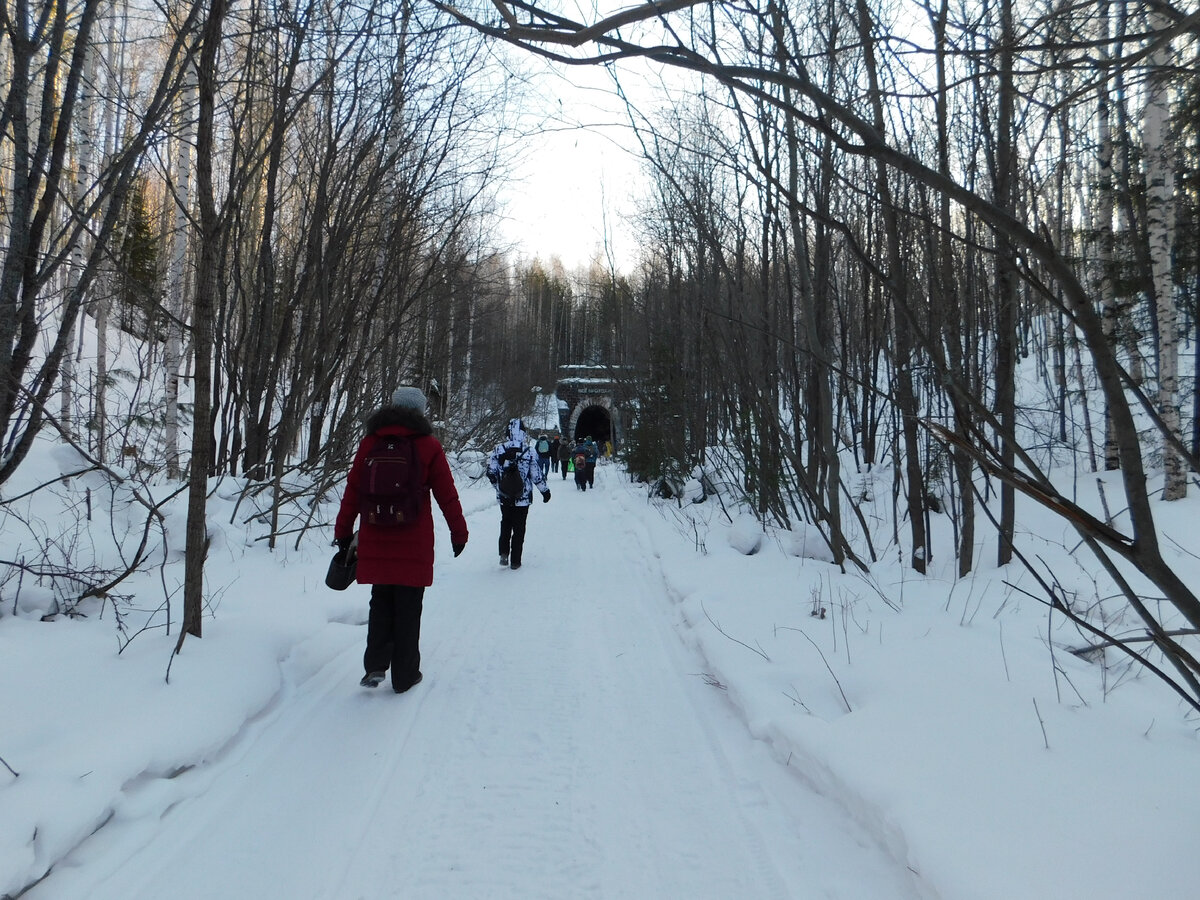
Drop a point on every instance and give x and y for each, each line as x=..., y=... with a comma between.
x=643, y=710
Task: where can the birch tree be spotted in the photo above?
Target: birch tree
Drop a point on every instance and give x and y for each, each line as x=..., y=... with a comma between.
x=81, y=183
x=177, y=293
x=1160, y=200
x=47, y=46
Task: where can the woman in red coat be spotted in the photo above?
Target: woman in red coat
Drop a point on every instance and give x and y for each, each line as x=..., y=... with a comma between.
x=397, y=560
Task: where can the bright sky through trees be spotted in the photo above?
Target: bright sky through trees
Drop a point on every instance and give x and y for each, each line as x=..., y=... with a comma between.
x=578, y=174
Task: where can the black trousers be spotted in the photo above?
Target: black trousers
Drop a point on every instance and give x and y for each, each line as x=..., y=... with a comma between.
x=394, y=632
x=512, y=530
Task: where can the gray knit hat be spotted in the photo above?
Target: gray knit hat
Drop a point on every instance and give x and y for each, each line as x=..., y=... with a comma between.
x=410, y=398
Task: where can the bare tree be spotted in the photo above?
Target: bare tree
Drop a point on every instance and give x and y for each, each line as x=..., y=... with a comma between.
x=660, y=32
x=210, y=240
x=48, y=54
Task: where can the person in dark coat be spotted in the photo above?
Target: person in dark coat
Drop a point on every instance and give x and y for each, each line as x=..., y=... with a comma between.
x=554, y=459
x=593, y=454
x=565, y=449
x=397, y=561
x=579, y=455
x=514, y=513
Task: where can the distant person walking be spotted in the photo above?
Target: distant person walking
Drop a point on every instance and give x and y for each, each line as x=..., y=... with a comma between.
x=514, y=470
x=579, y=462
x=593, y=454
x=555, y=445
x=395, y=534
x=565, y=450
x=543, y=454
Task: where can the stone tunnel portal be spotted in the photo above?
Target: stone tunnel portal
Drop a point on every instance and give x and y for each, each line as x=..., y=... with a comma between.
x=595, y=421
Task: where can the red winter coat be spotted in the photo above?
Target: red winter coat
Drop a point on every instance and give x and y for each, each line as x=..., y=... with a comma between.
x=402, y=555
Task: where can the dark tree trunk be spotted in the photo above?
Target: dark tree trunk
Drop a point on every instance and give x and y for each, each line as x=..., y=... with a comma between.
x=202, y=323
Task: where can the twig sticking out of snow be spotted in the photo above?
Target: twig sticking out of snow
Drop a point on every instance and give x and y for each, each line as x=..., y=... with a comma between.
x=758, y=650
x=1041, y=722
x=824, y=660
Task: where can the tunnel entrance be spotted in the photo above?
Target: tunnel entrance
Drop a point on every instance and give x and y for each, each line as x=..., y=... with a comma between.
x=594, y=421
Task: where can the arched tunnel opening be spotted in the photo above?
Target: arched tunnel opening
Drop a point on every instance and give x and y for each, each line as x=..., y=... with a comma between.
x=595, y=421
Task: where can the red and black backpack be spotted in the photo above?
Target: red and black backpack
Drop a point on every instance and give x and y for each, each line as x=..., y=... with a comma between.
x=392, y=485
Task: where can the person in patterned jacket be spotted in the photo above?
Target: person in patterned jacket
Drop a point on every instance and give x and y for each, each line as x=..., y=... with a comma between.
x=514, y=505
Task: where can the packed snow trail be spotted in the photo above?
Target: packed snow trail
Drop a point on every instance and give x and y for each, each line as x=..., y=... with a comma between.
x=563, y=744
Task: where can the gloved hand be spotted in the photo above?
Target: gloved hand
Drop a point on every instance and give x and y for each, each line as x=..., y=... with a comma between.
x=343, y=543
x=458, y=548
x=546, y=497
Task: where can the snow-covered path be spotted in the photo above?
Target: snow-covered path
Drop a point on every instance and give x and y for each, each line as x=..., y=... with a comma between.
x=564, y=743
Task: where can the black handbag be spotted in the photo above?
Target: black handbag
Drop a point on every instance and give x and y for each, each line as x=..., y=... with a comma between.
x=343, y=568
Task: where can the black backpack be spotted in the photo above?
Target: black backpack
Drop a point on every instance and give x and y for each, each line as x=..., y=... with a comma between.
x=392, y=486
x=511, y=484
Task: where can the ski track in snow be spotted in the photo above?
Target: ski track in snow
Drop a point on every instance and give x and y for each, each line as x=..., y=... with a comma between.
x=561, y=745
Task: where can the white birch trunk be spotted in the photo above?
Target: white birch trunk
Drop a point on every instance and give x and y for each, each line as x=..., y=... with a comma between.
x=111, y=125
x=1160, y=190
x=6, y=148
x=80, y=185
x=173, y=351
x=468, y=384
x=1102, y=228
